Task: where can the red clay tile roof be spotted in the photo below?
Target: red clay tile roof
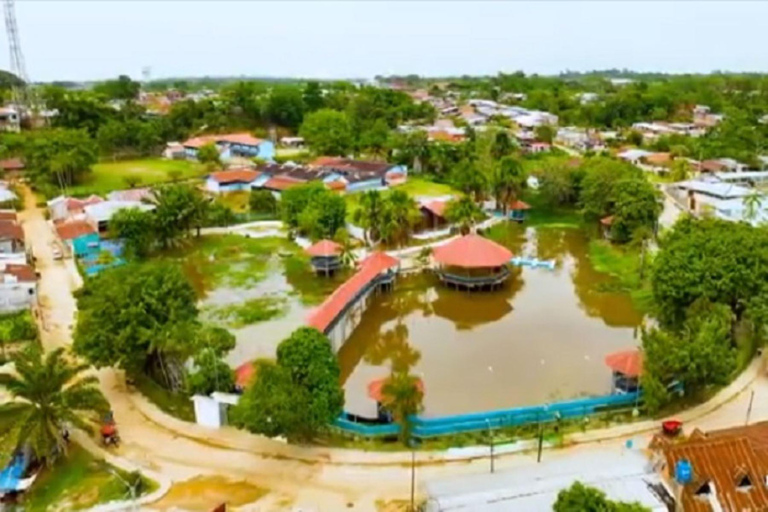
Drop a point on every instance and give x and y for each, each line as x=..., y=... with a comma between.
x=627, y=362
x=472, y=251
x=349, y=165
x=235, y=176
x=8, y=215
x=711, y=166
x=9, y=229
x=22, y=272
x=722, y=462
x=436, y=207
x=12, y=164
x=282, y=183
x=323, y=161
x=244, y=374
x=74, y=203
x=336, y=185
x=376, y=388
x=757, y=433
x=519, y=205
x=133, y=194
x=324, y=248
x=74, y=229
x=322, y=317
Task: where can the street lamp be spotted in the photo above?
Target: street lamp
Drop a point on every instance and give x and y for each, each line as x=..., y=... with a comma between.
x=490, y=441
x=413, y=443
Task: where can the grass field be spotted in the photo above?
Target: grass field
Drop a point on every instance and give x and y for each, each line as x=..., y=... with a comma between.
x=78, y=482
x=109, y=176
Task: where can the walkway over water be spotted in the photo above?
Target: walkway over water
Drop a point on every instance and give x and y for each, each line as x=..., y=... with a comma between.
x=334, y=316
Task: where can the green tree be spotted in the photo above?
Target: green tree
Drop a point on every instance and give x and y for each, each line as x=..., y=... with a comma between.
x=369, y=215
x=328, y=132
x=51, y=394
x=545, y=133
x=507, y=181
x=400, y=215
x=347, y=254
x=581, y=498
x=123, y=88
x=636, y=205
x=469, y=179
x=681, y=169
x=721, y=261
x=285, y=106
x=559, y=184
x=403, y=399
x=374, y=140
x=179, y=208
x=59, y=157
x=209, y=154
x=313, y=210
x=210, y=374
x=298, y=396
x=313, y=97
x=699, y=354
x=128, y=317
x=464, y=213
x=262, y=201
x=136, y=228
x=753, y=204
x=502, y=145
x=598, y=194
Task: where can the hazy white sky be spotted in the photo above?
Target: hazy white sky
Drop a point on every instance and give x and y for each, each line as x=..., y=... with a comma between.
x=103, y=38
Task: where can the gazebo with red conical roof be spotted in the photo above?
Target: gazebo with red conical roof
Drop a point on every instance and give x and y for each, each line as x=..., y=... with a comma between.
x=325, y=256
x=472, y=262
x=626, y=367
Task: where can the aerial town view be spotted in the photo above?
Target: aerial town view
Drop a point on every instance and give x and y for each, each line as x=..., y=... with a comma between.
x=384, y=256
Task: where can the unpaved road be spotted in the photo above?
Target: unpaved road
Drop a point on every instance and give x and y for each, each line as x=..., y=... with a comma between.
x=294, y=477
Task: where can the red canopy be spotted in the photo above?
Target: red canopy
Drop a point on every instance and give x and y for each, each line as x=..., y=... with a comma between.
x=376, y=388
x=472, y=251
x=519, y=205
x=607, y=221
x=324, y=248
x=244, y=374
x=627, y=362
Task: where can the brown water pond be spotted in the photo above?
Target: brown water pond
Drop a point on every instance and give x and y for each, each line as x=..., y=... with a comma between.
x=543, y=337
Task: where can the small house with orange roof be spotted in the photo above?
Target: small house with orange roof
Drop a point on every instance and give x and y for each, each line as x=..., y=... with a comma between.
x=18, y=287
x=325, y=257
x=472, y=262
x=433, y=214
x=359, y=175
x=231, y=180
x=80, y=236
x=517, y=210
x=232, y=145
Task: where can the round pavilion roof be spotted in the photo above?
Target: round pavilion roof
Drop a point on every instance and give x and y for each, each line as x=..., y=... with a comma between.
x=324, y=248
x=626, y=362
x=472, y=251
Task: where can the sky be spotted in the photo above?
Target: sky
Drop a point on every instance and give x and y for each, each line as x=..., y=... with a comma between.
x=97, y=39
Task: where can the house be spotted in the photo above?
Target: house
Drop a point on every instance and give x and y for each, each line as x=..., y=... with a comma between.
x=622, y=475
x=232, y=145
x=12, y=164
x=292, y=142
x=723, y=470
x=132, y=194
x=537, y=147
x=433, y=214
x=64, y=207
x=721, y=165
x=11, y=239
x=360, y=175
x=10, y=121
x=279, y=184
x=175, y=151
x=18, y=287
x=231, y=180
x=99, y=214
x=79, y=236
x=703, y=117
x=634, y=156
x=705, y=197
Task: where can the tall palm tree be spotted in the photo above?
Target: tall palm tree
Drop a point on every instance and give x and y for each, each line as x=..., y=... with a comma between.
x=369, y=215
x=403, y=398
x=464, y=213
x=50, y=393
x=507, y=181
x=401, y=215
x=347, y=253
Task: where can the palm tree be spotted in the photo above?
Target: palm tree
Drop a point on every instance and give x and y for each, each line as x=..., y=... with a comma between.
x=401, y=214
x=507, y=181
x=463, y=212
x=50, y=394
x=347, y=253
x=753, y=202
x=369, y=215
x=403, y=398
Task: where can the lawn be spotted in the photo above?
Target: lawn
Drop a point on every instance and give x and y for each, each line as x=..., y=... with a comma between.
x=77, y=482
x=109, y=176
x=177, y=405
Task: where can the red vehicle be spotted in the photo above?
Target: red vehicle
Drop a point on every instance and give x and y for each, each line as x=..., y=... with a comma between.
x=108, y=430
x=672, y=427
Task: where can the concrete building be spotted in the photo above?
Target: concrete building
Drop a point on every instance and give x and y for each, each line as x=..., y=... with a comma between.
x=79, y=236
x=231, y=146
x=99, y=214
x=231, y=180
x=18, y=287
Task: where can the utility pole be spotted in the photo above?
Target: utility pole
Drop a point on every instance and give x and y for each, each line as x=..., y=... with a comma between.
x=490, y=441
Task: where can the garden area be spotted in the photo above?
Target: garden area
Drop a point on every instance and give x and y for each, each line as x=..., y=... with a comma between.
x=108, y=176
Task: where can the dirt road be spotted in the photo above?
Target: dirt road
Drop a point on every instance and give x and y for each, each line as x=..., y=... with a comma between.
x=211, y=463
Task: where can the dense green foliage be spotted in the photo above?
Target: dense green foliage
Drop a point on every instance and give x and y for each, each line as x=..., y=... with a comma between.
x=390, y=217
x=262, y=201
x=313, y=210
x=51, y=394
x=136, y=228
x=299, y=395
x=581, y=498
x=403, y=399
x=328, y=132
x=464, y=213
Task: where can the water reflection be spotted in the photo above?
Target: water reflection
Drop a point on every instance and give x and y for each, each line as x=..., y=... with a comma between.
x=540, y=338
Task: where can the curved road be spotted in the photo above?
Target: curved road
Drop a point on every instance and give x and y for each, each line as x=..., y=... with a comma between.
x=303, y=478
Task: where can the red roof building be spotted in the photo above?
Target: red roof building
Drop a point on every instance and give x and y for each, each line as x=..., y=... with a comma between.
x=626, y=362
x=323, y=317
x=282, y=183
x=324, y=248
x=10, y=230
x=234, y=176
x=8, y=215
x=12, y=164
x=518, y=205
x=22, y=273
x=376, y=388
x=244, y=374
x=472, y=251
x=243, y=138
x=436, y=207
x=74, y=229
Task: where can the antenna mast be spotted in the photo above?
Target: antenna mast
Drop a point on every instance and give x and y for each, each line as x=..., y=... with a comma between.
x=20, y=93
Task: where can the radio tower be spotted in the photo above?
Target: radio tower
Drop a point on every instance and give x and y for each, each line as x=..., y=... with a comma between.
x=20, y=93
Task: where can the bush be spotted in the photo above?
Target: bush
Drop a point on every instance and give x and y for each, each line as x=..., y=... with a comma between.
x=262, y=201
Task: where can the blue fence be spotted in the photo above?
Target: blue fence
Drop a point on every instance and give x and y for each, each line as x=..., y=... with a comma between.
x=430, y=427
